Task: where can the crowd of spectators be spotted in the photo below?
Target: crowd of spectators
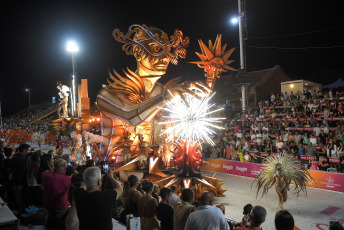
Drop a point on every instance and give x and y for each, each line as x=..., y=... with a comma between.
x=309, y=126
x=22, y=119
x=48, y=191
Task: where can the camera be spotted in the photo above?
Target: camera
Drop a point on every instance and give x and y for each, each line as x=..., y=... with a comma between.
x=70, y=163
x=104, y=167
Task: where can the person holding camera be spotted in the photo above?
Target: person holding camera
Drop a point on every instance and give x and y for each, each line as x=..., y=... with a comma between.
x=93, y=206
x=254, y=219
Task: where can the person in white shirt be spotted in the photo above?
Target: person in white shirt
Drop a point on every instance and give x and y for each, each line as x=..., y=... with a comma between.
x=313, y=140
x=323, y=127
x=174, y=198
x=207, y=217
x=272, y=98
x=317, y=130
x=259, y=137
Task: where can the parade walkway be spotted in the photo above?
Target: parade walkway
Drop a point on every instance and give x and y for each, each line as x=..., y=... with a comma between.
x=311, y=211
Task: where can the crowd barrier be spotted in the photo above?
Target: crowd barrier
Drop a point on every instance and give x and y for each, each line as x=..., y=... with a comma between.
x=324, y=180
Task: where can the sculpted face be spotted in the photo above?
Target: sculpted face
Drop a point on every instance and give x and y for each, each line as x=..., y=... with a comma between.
x=152, y=66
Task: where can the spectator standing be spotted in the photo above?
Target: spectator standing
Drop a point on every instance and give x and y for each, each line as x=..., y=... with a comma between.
x=164, y=210
x=2, y=160
x=154, y=195
x=34, y=192
x=207, y=217
x=147, y=207
x=18, y=171
x=131, y=197
x=55, y=194
x=255, y=218
x=174, y=198
x=183, y=209
x=284, y=220
x=93, y=206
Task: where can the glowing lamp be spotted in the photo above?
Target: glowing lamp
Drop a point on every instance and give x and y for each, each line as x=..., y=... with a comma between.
x=234, y=20
x=72, y=47
x=292, y=86
x=98, y=119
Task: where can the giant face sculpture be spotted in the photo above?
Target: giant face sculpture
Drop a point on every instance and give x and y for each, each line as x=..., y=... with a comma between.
x=152, y=48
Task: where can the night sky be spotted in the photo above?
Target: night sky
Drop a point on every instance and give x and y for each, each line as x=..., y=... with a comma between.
x=34, y=36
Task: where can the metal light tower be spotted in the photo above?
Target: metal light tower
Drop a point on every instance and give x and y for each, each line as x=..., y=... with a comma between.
x=242, y=76
x=29, y=92
x=73, y=48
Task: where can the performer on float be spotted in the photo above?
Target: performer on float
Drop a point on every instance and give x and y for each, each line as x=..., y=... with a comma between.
x=282, y=171
x=63, y=104
x=144, y=151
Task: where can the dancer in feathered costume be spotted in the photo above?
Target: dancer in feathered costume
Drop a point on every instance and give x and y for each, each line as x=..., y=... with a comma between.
x=282, y=171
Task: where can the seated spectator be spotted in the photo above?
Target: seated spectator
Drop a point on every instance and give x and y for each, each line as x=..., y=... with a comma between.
x=206, y=216
x=284, y=220
x=255, y=218
x=164, y=210
x=174, y=198
x=93, y=206
x=247, y=156
x=313, y=140
x=147, y=207
x=324, y=164
x=183, y=209
x=301, y=149
x=310, y=150
x=314, y=162
x=37, y=220
x=246, y=211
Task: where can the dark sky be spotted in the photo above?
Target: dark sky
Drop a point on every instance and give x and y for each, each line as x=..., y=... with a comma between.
x=34, y=35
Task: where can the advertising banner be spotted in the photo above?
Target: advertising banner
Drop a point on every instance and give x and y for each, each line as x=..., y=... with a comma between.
x=324, y=180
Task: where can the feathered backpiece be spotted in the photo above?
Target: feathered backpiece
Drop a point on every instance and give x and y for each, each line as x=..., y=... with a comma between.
x=292, y=170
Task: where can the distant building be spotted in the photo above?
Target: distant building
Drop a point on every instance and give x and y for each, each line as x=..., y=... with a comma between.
x=261, y=84
x=299, y=86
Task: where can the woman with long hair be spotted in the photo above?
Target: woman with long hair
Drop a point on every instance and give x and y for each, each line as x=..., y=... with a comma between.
x=130, y=198
x=34, y=192
x=147, y=207
x=46, y=164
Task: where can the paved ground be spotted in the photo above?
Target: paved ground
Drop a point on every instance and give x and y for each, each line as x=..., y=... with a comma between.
x=311, y=211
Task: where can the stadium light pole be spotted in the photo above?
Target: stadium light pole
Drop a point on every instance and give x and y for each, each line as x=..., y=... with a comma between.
x=29, y=92
x=243, y=79
x=73, y=48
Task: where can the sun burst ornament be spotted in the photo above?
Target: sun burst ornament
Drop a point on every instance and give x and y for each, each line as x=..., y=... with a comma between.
x=214, y=60
x=190, y=119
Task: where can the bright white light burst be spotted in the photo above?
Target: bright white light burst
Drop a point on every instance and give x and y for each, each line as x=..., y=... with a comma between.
x=190, y=119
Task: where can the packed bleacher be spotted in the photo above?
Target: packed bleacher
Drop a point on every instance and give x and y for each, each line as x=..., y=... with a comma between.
x=22, y=119
x=308, y=126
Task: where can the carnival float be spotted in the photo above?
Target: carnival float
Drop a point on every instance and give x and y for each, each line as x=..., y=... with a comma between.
x=156, y=131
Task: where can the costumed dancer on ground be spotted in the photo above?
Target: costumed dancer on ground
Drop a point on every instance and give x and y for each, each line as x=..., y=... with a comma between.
x=282, y=171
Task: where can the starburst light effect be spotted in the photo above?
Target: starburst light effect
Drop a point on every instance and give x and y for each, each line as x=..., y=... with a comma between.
x=190, y=119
